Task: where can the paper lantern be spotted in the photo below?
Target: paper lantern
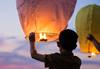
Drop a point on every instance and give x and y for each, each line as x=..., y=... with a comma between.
x=47, y=17
x=88, y=22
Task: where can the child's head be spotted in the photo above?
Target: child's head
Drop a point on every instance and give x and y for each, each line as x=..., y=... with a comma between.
x=68, y=39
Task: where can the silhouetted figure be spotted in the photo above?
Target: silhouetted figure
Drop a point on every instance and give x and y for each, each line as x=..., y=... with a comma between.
x=63, y=60
x=94, y=41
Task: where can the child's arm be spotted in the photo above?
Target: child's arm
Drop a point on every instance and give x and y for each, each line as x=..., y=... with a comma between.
x=95, y=42
x=33, y=50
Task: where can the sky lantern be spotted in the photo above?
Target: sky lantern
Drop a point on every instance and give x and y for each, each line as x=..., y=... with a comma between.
x=88, y=22
x=45, y=17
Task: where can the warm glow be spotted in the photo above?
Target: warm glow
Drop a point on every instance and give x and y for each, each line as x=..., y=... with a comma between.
x=93, y=54
x=43, y=37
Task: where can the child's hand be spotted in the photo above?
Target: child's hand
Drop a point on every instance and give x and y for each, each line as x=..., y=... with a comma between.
x=90, y=37
x=32, y=37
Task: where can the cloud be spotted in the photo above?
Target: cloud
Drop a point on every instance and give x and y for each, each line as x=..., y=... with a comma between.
x=1, y=41
x=15, y=61
x=10, y=58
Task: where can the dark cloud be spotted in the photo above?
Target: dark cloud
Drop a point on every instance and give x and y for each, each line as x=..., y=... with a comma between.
x=9, y=38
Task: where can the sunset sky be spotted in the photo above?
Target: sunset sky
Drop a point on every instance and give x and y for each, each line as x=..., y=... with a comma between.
x=14, y=49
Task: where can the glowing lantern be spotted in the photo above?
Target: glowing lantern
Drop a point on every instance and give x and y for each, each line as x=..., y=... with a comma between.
x=88, y=22
x=45, y=16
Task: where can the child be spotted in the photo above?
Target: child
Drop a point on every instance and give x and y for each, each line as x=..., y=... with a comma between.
x=63, y=60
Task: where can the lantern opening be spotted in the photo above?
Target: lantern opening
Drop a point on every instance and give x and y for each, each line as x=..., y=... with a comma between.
x=43, y=37
x=92, y=54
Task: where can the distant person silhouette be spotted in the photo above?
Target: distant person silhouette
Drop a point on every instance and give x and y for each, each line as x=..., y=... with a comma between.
x=63, y=60
x=94, y=41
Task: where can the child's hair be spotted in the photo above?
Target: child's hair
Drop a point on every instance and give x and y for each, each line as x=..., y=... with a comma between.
x=68, y=39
